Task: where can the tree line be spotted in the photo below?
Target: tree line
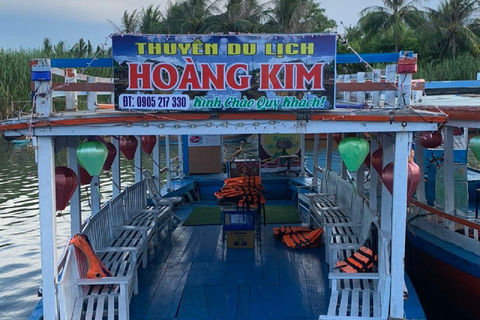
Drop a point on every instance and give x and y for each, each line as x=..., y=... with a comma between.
x=447, y=38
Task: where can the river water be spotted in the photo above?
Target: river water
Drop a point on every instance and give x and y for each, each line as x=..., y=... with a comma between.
x=20, y=275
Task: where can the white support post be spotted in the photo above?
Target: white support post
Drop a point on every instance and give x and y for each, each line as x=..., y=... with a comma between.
x=386, y=206
x=404, y=90
x=116, y=176
x=315, y=158
x=156, y=165
x=75, y=201
x=48, y=226
x=420, y=160
x=71, y=97
x=399, y=216
x=181, y=173
x=329, y=155
x=138, y=160
x=168, y=162
x=448, y=173
x=376, y=94
x=92, y=96
x=43, y=96
x=360, y=175
x=343, y=170
x=390, y=77
x=361, y=94
x=373, y=180
x=95, y=195
x=302, y=155
x=346, y=94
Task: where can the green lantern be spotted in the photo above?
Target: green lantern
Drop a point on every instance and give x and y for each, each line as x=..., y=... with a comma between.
x=353, y=151
x=474, y=145
x=92, y=155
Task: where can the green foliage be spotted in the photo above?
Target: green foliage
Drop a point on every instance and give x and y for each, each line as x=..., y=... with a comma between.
x=15, y=77
x=464, y=67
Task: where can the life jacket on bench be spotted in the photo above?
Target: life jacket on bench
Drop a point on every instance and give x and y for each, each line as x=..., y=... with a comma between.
x=365, y=258
x=96, y=268
x=361, y=260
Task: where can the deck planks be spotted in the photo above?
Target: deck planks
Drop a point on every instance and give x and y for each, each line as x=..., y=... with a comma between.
x=194, y=276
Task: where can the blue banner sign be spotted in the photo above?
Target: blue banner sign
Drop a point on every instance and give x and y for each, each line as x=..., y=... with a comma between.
x=224, y=72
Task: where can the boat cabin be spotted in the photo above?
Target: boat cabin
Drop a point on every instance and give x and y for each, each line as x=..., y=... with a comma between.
x=176, y=101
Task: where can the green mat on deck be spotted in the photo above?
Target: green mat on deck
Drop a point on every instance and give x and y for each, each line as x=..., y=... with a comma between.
x=205, y=215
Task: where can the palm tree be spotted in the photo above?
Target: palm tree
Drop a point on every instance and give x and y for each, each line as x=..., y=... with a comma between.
x=297, y=16
x=453, y=26
x=393, y=16
x=129, y=23
x=192, y=16
x=150, y=20
x=243, y=16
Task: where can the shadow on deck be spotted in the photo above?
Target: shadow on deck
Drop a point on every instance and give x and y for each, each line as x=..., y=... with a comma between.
x=194, y=276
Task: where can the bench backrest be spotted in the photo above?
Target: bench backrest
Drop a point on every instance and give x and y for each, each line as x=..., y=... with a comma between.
x=135, y=198
x=68, y=290
x=384, y=272
x=98, y=227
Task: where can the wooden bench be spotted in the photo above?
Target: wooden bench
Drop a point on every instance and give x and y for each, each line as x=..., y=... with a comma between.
x=109, y=229
x=99, y=298
x=347, y=233
x=362, y=295
x=307, y=195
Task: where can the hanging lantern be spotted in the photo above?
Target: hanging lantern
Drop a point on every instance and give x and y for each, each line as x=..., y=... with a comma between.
x=112, y=152
x=430, y=139
x=92, y=155
x=85, y=177
x=148, y=142
x=353, y=151
x=413, y=178
x=376, y=160
x=474, y=145
x=66, y=182
x=337, y=137
x=128, y=146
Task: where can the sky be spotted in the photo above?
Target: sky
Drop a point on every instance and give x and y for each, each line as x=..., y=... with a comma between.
x=25, y=23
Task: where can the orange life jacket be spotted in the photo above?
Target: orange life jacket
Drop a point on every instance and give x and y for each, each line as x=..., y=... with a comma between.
x=309, y=239
x=96, y=268
x=279, y=232
x=361, y=260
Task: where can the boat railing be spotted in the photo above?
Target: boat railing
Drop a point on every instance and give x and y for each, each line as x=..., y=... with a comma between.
x=67, y=286
x=458, y=230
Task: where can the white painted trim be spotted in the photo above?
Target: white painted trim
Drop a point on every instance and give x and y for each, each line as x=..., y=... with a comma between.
x=168, y=162
x=289, y=127
x=315, y=158
x=156, y=158
x=75, y=201
x=48, y=226
x=138, y=160
x=399, y=215
x=94, y=195
x=116, y=176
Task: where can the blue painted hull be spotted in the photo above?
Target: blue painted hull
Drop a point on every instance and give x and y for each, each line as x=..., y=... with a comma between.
x=450, y=272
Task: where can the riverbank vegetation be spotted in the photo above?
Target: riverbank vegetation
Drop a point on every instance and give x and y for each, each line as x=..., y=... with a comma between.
x=447, y=38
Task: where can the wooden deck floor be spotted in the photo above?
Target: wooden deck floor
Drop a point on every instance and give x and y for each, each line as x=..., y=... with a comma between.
x=193, y=275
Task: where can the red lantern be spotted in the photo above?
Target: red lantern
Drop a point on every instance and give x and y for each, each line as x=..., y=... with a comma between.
x=128, y=146
x=66, y=182
x=148, y=143
x=85, y=177
x=430, y=139
x=413, y=179
x=376, y=160
x=112, y=152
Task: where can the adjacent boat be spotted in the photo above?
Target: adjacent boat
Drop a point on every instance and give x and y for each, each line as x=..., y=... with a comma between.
x=191, y=271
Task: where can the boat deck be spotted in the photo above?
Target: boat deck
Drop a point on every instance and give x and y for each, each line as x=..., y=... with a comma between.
x=193, y=275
